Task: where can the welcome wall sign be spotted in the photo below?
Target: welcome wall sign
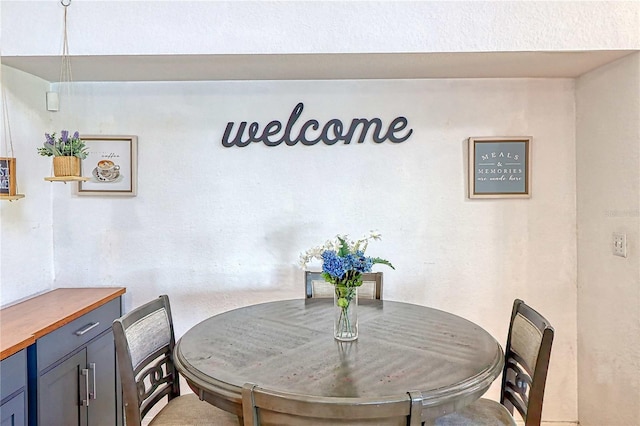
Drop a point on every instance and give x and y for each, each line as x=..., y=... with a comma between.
x=311, y=132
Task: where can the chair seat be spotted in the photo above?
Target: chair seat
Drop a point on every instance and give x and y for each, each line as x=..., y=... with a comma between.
x=189, y=410
x=483, y=412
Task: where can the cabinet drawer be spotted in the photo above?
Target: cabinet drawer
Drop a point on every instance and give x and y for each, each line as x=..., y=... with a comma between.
x=14, y=374
x=64, y=340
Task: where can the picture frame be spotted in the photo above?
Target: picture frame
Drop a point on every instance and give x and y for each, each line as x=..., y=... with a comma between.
x=500, y=167
x=8, y=185
x=111, y=166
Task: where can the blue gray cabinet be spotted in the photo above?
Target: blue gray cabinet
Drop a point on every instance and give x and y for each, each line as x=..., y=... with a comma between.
x=13, y=390
x=75, y=377
x=58, y=361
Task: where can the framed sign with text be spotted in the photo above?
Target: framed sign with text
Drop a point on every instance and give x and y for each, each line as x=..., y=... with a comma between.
x=111, y=166
x=500, y=167
x=7, y=176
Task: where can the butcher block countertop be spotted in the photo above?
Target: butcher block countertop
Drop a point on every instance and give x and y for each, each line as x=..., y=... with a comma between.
x=21, y=324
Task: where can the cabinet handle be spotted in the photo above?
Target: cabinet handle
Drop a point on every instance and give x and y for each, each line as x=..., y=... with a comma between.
x=92, y=367
x=85, y=373
x=87, y=328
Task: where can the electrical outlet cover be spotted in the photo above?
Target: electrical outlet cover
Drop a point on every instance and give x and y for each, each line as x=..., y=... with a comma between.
x=620, y=244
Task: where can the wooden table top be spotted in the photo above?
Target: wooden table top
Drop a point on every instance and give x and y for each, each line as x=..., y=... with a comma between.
x=21, y=324
x=289, y=346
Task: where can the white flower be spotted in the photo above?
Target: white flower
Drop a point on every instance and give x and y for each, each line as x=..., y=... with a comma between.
x=335, y=244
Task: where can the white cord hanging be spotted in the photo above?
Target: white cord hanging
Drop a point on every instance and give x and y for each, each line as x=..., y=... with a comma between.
x=8, y=140
x=65, y=90
x=8, y=149
x=66, y=76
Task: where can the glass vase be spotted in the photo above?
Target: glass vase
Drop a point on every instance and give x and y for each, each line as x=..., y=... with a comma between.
x=345, y=315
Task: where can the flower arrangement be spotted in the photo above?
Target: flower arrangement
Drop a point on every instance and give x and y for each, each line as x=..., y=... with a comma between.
x=343, y=263
x=343, y=260
x=64, y=146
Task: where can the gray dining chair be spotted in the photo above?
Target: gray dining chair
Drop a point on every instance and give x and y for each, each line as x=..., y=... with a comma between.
x=316, y=286
x=144, y=342
x=263, y=407
x=523, y=378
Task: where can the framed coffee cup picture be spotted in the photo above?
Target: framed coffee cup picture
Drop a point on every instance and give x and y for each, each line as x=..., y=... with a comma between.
x=110, y=166
x=500, y=167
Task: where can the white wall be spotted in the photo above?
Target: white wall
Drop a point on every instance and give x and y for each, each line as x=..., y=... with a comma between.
x=217, y=228
x=226, y=229
x=26, y=232
x=608, y=157
x=184, y=27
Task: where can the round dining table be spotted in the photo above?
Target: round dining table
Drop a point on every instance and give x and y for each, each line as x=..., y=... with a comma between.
x=288, y=346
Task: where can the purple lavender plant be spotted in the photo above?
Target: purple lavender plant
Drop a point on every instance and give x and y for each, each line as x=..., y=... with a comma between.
x=64, y=145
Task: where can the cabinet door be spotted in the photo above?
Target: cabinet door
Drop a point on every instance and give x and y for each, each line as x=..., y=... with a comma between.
x=101, y=359
x=12, y=411
x=61, y=393
x=13, y=389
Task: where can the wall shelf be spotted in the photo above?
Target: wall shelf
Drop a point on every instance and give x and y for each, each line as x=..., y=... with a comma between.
x=11, y=197
x=66, y=179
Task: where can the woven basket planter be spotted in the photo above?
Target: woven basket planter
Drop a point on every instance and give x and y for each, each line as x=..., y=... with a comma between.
x=66, y=166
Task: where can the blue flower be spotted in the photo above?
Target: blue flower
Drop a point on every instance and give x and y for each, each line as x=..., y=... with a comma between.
x=333, y=264
x=50, y=139
x=64, y=135
x=358, y=262
x=76, y=135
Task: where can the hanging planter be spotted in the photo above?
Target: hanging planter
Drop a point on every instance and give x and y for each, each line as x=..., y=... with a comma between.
x=67, y=151
x=66, y=166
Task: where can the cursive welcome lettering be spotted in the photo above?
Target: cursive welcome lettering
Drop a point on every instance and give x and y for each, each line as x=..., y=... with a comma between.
x=311, y=133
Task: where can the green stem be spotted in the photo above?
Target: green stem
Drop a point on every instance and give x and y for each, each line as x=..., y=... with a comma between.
x=345, y=326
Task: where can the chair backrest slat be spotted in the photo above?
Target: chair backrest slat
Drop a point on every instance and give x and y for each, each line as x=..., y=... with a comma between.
x=517, y=399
